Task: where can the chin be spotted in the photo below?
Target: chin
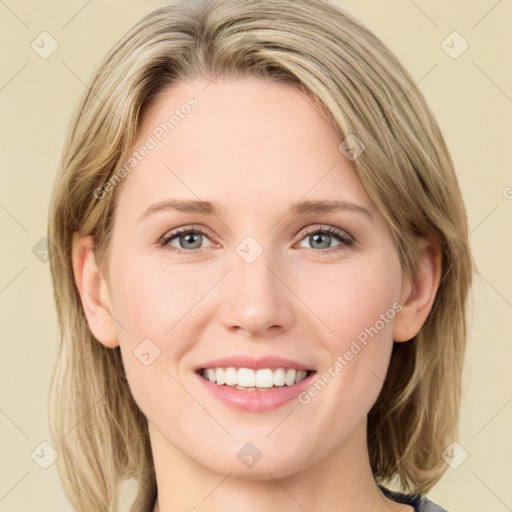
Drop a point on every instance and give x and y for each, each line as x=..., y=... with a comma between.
x=255, y=460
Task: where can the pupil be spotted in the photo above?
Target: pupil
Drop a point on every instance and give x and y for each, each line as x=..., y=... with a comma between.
x=315, y=238
x=188, y=235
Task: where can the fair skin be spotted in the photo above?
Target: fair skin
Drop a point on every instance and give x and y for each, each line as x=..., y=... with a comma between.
x=253, y=148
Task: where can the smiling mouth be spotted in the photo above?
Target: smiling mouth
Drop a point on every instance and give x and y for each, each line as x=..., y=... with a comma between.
x=247, y=379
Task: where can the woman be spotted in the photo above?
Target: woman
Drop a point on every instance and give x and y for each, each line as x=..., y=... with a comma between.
x=305, y=351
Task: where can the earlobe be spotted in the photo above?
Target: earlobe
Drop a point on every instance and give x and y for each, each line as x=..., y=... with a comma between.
x=419, y=293
x=93, y=290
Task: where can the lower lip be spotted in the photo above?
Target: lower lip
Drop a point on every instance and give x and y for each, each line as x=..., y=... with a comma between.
x=256, y=401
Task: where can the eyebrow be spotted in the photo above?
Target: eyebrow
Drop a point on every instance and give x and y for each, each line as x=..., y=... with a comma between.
x=212, y=208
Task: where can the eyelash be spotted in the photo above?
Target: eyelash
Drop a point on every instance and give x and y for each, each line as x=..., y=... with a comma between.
x=345, y=239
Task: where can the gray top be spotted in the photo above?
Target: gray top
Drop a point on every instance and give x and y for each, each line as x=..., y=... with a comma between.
x=415, y=500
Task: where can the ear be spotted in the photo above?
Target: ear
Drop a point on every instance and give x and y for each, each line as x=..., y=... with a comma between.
x=93, y=290
x=418, y=294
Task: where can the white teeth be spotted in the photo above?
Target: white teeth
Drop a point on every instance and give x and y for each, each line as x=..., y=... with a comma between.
x=264, y=378
x=301, y=375
x=231, y=376
x=290, y=377
x=279, y=377
x=220, y=375
x=249, y=379
x=246, y=378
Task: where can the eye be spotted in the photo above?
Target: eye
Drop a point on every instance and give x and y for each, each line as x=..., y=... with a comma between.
x=321, y=238
x=184, y=240
x=188, y=240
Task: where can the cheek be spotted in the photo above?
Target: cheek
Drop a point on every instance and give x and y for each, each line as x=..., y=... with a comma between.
x=157, y=307
x=358, y=303
x=151, y=298
x=155, y=304
x=355, y=297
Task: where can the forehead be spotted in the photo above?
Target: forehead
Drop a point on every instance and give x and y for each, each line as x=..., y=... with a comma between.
x=244, y=141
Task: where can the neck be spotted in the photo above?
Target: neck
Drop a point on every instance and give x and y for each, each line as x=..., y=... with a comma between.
x=343, y=482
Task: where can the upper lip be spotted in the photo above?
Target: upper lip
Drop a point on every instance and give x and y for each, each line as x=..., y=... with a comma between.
x=244, y=361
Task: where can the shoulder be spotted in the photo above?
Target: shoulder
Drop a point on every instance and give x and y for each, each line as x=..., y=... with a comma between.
x=415, y=500
x=426, y=505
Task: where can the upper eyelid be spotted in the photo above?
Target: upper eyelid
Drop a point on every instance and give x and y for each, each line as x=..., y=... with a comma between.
x=324, y=227
x=185, y=229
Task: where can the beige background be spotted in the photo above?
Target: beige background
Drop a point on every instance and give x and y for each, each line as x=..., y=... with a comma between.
x=472, y=99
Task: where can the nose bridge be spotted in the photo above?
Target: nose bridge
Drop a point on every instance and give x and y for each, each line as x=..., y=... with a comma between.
x=256, y=299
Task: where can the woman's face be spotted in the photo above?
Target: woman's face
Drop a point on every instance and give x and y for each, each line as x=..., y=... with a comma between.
x=265, y=277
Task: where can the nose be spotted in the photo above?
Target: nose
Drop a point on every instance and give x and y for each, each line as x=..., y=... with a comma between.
x=257, y=301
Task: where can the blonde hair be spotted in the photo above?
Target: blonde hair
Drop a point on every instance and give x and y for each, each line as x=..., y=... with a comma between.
x=406, y=169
